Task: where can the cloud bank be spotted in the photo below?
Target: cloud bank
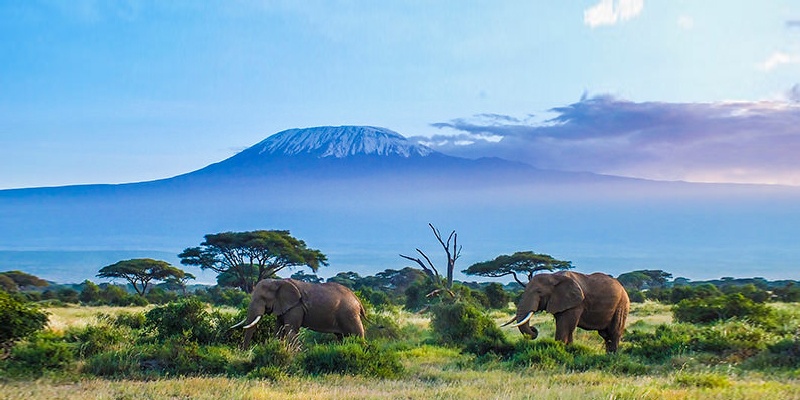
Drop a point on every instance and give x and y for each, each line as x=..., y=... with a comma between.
x=742, y=142
x=609, y=12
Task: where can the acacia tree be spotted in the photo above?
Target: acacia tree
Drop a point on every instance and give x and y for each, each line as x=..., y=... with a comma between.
x=525, y=263
x=239, y=255
x=18, y=280
x=139, y=272
x=645, y=278
x=452, y=250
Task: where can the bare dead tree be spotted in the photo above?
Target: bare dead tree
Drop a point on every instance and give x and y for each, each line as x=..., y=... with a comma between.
x=453, y=252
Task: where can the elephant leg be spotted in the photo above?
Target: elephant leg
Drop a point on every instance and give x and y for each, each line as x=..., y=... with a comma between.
x=566, y=323
x=610, y=340
x=613, y=333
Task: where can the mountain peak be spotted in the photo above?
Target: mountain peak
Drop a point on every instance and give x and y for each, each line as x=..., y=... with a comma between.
x=339, y=142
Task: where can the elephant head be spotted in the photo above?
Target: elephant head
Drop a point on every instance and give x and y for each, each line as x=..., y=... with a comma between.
x=553, y=293
x=274, y=296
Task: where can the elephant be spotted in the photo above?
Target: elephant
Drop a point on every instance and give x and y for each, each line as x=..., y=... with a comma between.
x=595, y=302
x=322, y=307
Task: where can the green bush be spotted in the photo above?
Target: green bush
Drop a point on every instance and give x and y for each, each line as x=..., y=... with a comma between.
x=665, y=342
x=186, y=320
x=782, y=354
x=732, y=337
x=133, y=320
x=353, y=357
x=712, y=309
x=462, y=324
x=92, y=339
x=177, y=357
x=636, y=296
x=274, y=353
x=18, y=319
x=45, y=351
x=542, y=353
x=383, y=327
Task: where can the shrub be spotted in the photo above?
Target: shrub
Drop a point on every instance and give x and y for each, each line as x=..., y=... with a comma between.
x=272, y=356
x=353, y=356
x=92, y=339
x=732, y=337
x=636, y=296
x=497, y=296
x=665, y=342
x=464, y=325
x=45, y=351
x=721, y=308
x=133, y=320
x=782, y=354
x=177, y=357
x=542, y=353
x=18, y=320
x=382, y=327
x=186, y=320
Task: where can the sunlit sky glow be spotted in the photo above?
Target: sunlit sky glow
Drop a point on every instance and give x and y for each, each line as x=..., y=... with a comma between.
x=117, y=91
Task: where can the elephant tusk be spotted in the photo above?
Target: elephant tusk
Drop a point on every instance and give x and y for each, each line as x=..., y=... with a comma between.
x=239, y=324
x=524, y=320
x=252, y=324
x=511, y=321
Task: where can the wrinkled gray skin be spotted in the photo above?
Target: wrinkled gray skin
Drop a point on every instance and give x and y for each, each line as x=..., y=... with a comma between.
x=594, y=302
x=322, y=307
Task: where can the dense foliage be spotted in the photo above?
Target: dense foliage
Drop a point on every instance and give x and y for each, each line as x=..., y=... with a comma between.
x=18, y=320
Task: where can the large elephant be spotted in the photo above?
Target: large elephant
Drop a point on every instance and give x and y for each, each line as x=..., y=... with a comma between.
x=595, y=302
x=322, y=307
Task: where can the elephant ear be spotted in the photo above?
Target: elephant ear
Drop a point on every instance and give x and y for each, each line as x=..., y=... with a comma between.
x=287, y=297
x=566, y=294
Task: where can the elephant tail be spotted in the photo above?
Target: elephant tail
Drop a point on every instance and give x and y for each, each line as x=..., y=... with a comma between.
x=363, y=314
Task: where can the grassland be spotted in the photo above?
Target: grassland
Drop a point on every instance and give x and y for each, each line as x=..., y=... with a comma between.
x=432, y=372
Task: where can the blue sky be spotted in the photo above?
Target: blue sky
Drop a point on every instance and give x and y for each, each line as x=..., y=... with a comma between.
x=121, y=91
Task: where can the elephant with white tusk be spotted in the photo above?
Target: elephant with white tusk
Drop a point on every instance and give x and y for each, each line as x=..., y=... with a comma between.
x=594, y=302
x=322, y=307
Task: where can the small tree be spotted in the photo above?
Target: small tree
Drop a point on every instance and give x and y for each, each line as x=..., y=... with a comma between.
x=140, y=272
x=179, y=283
x=644, y=279
x=304, y=277
x=452, y=250
x=90, y=292
x=525, y=263
x=240, y=254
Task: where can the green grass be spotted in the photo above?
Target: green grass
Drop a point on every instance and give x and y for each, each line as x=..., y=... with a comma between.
x=439, y=371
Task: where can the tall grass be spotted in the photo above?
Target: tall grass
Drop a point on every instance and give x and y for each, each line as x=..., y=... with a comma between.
x=541, y=369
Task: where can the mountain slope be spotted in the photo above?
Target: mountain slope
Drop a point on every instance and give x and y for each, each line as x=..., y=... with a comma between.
x=363, y=194
x=338, y=142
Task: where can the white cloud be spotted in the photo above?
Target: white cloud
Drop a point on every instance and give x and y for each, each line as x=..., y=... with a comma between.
x=743, y=142
x=609, y=12
x=777, y=59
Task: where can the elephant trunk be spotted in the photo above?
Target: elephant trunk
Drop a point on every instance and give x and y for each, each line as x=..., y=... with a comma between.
x=527, y=330
x=527, y=307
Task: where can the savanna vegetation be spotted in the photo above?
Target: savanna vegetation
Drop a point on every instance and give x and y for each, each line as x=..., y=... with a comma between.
x=428, y=336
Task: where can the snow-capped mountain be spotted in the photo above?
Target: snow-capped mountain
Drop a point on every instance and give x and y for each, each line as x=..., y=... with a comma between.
x=338, y=142
x=347, y=152
x=363, y=194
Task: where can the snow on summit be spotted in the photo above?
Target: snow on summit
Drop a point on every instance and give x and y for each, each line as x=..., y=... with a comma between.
x=340, y=142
